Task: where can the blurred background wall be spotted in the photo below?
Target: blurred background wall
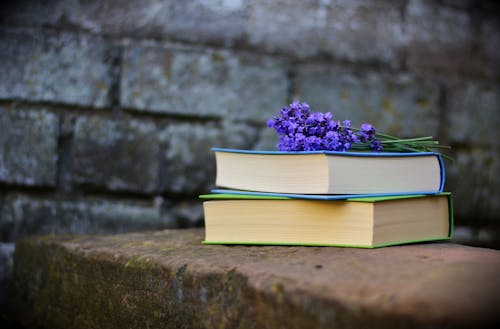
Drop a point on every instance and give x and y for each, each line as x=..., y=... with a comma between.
x=108, y=109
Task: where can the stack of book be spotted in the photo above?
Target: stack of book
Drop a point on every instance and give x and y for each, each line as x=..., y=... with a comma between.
x=326, y=198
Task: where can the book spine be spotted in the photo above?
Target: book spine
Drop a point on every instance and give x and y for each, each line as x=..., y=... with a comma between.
x=443, y=172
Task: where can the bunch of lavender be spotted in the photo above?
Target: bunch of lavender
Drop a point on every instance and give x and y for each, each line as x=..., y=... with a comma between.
x=300, y=129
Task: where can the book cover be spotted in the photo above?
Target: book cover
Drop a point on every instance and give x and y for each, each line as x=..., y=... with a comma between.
x=264, y=195
x=362, y=222
x=329, y=172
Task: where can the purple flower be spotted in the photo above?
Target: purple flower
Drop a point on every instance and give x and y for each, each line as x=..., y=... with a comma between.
x=300, y=129
x=376, y=145
x=368, y=128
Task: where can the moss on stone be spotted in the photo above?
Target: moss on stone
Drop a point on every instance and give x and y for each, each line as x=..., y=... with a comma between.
x=169, y=280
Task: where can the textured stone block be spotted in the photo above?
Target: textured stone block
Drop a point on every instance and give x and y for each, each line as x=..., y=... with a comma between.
x=32, y=13
x=56, y=67
x=473, y=178
x=169, y=279
x=267, y=139
x=119, y=155
x=220, y=22
x=24, y=215
x=209, y=83
x=284, y=26
x=490, y=43
x=6, y=265
x=188, y=213
x=188, y=164
x=474, y=114
x=395, y=104
x=28, y=147
x=213, y=22
x=369, y=31
x=472, y=235
x=6, y=257
x=440, y=38
x=354, y=30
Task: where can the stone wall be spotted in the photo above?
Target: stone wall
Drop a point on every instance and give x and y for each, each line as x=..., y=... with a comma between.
x=108, y=109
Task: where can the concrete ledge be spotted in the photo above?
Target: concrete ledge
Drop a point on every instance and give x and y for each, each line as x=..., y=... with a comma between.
x=168, y=279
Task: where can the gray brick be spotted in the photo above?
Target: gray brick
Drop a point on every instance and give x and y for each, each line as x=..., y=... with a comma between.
x=214, y=22
x=474, y=114
x=62, y=67
x=24, y=215
x=354, y=30
x=440, y=38
x=28, y=147
x=395, y=104
x=461, y=4
x=369, y=31
x=487, y=237
x=210, y=83
x=489, y=45
x=32, y=13
x=188, y=213
x=267, y=139
x=221, y=22
x=473, y=178
x=119, y=155
x=188, y=165
x=6, y=261
x=284, y=26
x=6, y=267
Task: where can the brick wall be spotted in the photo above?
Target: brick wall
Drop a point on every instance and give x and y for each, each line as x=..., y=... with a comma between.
x=108, y=109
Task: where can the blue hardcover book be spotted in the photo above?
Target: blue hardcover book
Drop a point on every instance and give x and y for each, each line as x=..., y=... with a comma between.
x=329, y=172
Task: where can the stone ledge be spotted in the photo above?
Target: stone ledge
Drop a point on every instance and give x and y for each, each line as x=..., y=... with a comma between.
x=168, y=279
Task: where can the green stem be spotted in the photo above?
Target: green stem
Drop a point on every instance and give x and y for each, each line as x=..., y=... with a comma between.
x=417, y=139
x=385, y=136
x=395, y=144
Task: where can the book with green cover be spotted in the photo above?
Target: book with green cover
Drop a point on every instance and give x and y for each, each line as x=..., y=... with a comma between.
x=368, y=222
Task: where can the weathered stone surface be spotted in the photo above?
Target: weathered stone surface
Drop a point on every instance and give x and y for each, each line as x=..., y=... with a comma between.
x=188, y=213
x=213, y=22
x=32, y=13
x=202, y=83
x=169, y=280
x=473, y=119
x=366, y=31
x=56, y=67
x=28, y=147
x=490, y=43
x=267, y=139
x=354, y=30
x=24, y=215
x=6, y=264
x=474, y=114
x=398, y=104
x=437, y=35
x=473, y=178
x=292, y=27
x=217, y=22
x=6, y=255
x=486, y=236
x=440, y=39
x=119, y=155
x=187, y=162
